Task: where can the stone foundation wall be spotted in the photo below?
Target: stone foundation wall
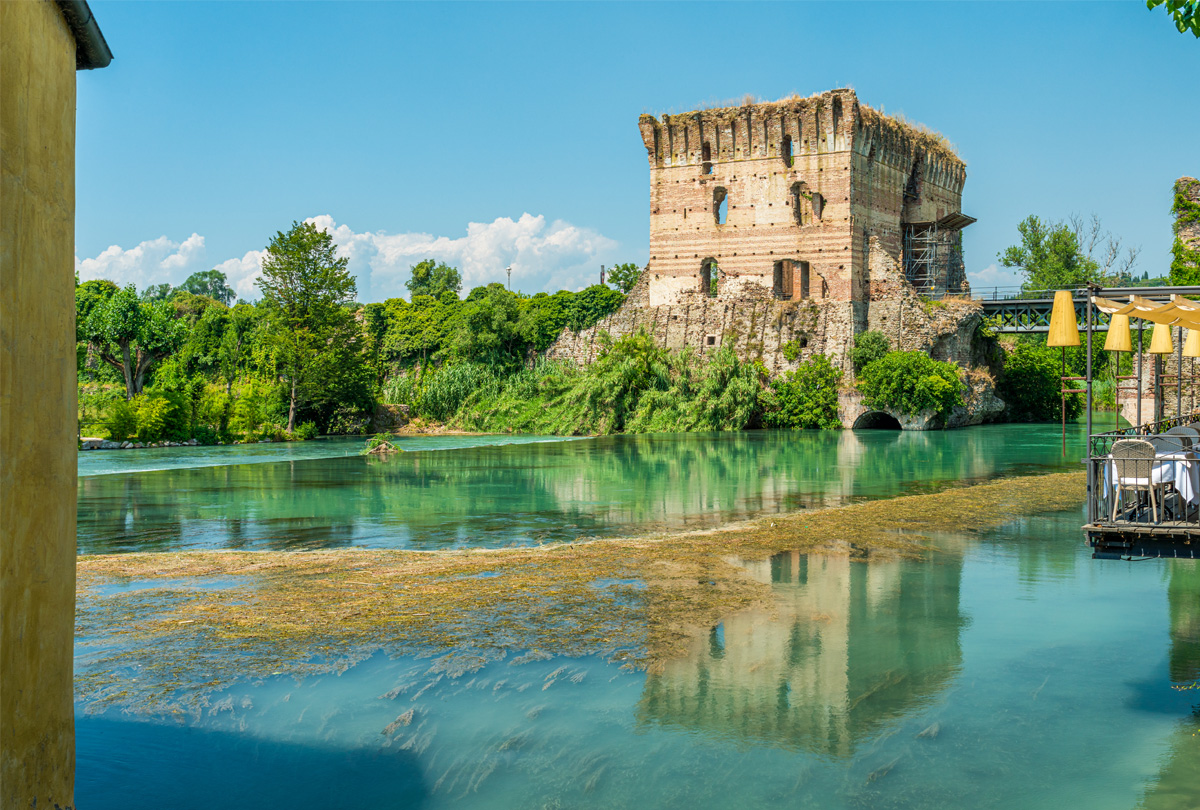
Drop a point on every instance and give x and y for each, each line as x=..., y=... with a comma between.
x=760, y=328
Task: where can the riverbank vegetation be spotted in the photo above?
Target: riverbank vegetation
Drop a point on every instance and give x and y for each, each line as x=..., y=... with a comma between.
x=173, y=364
x=237, y=615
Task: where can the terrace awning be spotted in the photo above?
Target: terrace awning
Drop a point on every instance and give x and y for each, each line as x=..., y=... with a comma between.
x=1176, y=312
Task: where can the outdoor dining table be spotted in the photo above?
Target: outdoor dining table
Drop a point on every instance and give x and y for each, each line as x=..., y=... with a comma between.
x=1176, y=467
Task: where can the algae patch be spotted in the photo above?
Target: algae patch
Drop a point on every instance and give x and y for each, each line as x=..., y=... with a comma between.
x=165, y=644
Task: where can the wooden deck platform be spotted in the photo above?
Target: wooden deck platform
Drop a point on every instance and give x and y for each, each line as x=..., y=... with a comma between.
x=1176, y=540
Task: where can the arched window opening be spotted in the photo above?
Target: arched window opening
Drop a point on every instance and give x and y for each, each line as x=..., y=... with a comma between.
x=784, y=275
x=709, y=277
x=720, y=205
x=804, y=280
x=789, y=156
x=706, y=158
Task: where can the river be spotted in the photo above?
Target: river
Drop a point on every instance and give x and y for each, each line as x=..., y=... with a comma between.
x=1003, y=669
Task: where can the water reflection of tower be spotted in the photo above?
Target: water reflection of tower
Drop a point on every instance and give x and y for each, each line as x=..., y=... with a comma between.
x=1183, y=600
x=850, y=645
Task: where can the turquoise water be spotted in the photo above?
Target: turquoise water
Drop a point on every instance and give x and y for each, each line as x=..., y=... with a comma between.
x=1006, y=670
x=489, y=491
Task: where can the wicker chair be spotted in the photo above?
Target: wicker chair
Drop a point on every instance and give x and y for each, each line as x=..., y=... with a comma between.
x=1133, y=461
x=1188, y=435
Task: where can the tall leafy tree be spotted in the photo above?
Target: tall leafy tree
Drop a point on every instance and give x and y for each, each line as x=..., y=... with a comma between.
x=129, y=333
x=235, y=341
x=157, y=292
x=314, y=337
x=1049, y=256
x=433, y=279
x=212, y=283
x=625, y=276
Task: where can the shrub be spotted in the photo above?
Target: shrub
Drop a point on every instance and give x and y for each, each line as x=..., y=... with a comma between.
x=247, y=415
x=591, y=305
x=804, y=398
x=305, y=431
x=448, y=387
x=727, y=397
x=911, y=382
x=400, y=390
x=153, y=416
x=1031, y=385
x=868, y=347
x=121, y=420
x=205, y=435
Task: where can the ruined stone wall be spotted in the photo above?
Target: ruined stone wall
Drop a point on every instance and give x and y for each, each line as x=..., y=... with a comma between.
x=808, y=183
x=758, y=328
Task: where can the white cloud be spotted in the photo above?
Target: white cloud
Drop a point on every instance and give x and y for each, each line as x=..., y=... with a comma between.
x=157, y=261
x=543, y=256
x=991, y=277
x=243, y=273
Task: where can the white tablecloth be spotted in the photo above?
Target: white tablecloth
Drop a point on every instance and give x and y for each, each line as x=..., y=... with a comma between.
x=1169, y=468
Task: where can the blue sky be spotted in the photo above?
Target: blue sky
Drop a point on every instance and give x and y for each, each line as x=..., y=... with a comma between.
x=497, y=134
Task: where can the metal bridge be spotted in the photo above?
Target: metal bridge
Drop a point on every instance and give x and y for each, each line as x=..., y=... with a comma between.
x=1015, y=310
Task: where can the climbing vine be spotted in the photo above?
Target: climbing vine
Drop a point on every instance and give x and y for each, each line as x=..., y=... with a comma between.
x=1185, y=260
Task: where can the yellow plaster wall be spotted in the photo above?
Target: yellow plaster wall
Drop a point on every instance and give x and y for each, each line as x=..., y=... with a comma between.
x=37, y=405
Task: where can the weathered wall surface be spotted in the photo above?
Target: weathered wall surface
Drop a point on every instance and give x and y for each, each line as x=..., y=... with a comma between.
x=37, y=406
x=807, y=183
x=759, y=328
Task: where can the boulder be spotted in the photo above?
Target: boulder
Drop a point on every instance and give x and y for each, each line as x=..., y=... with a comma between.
x=388, y=418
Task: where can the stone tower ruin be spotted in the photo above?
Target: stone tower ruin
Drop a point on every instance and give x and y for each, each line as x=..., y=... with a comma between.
x=783, y=229
x=782, y=200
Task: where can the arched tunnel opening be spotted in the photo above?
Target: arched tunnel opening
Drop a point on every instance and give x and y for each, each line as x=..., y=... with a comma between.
x=876, y=420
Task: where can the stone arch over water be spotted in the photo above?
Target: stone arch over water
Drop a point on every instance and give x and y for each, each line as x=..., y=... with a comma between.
x=877, y=420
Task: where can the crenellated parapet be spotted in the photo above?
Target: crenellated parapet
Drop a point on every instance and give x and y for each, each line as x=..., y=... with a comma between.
x=753, y=131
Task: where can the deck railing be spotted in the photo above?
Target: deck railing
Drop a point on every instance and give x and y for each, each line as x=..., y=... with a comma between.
x=1175, y=478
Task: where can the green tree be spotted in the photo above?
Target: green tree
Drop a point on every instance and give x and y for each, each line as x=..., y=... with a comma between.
x=911, y=382
x=311, y=334
x=804, y=398
x=1049, y=256
x=625, y=276
x=243, y=320
x=157, y=292
x=129, y=334
x=1185, y=13
x=1031, y=384
x=868, y=347
x=489, y=330
x=433, y=279
x=212, y=283
x=592, y=304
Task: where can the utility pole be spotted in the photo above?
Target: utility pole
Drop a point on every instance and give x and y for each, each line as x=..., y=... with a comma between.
x=509, y=271
x=601, y=275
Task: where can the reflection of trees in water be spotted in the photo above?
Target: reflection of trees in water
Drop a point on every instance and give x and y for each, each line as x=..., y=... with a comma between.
x=548, y=491
x=850, y=646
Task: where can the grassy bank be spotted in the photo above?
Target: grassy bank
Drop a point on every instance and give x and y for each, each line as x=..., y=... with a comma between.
x=636, y=600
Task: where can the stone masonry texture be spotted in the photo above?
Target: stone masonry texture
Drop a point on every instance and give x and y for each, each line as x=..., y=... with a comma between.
x=821, y=186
